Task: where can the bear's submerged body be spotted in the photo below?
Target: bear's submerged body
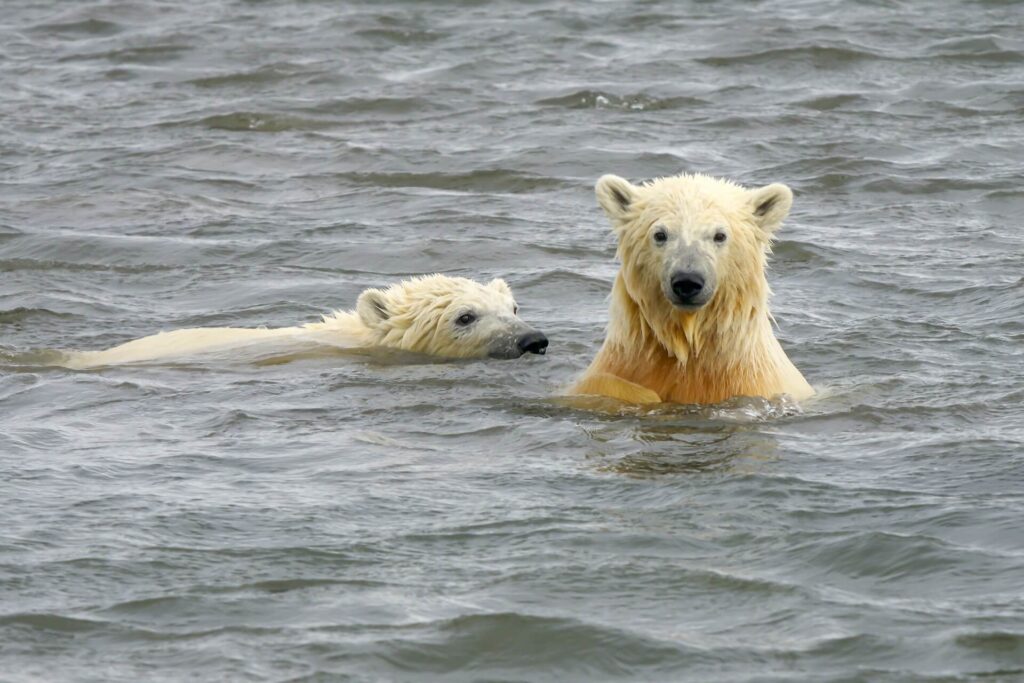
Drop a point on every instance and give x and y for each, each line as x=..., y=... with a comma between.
x=254, y=344
x=689, y=319
x=437, y=315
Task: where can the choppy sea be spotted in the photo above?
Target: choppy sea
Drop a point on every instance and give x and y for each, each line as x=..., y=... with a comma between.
x=176, y=164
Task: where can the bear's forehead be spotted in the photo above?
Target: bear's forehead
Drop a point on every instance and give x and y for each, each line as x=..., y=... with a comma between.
x=465, y=295
x=483, y=297
x=691, y=200
x=684, y=215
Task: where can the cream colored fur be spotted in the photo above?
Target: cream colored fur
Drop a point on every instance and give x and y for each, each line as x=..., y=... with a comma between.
x=654, y=351
x=413, y=315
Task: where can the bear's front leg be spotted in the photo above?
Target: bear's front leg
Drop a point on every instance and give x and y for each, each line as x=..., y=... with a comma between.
x=612, y=386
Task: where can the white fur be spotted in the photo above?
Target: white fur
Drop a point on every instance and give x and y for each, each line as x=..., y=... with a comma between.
x=416, y=315
x=724, y=346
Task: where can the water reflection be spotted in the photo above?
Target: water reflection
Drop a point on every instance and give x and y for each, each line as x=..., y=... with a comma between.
x=652, y=449
x=644, y=441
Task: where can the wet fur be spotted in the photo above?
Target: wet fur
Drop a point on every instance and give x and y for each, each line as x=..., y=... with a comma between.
x=413, y=315
x=653, y=351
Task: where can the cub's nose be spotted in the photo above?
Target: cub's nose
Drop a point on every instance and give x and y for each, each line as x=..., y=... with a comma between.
x=533, y=342
x=686, y=286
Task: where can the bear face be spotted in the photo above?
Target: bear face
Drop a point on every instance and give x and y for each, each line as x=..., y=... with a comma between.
x=687, y=237
x=449, y=316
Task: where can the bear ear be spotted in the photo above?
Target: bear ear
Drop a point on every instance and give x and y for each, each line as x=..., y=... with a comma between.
x=770, y=205
x=616, y=196
x=499, y=285
x=372, y=307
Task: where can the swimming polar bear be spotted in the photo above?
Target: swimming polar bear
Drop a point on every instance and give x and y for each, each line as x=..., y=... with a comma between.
x=438, y=315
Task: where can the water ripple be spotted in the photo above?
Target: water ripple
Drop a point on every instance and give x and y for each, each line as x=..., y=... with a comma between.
x=375, y=516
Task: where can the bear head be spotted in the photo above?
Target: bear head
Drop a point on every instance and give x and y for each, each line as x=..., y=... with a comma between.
x=693, y=251
x=447, y=316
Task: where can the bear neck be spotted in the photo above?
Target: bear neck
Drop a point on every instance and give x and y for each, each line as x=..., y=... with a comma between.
x=347, y=329
x=725, y=349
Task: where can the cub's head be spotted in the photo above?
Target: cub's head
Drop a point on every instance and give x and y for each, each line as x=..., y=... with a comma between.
x=451, y=317
x=688, y=241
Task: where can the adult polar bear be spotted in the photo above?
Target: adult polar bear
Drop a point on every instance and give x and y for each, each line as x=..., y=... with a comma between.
x=438, y=315
x=689, y=319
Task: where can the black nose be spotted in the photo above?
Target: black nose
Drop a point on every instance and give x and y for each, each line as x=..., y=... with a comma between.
x=533, y=342
x=687, y=285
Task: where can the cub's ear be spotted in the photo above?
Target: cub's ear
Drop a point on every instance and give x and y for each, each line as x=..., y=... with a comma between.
x=770, y=205
x=499, y=285
x=616, y=196
x=372, y=307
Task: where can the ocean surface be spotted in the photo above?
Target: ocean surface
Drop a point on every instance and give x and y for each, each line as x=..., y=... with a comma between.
x=368, y=518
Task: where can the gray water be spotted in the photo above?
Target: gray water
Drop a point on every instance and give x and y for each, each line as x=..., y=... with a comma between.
x=176, y=164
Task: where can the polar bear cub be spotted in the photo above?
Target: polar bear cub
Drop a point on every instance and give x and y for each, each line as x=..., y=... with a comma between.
x=451, y=317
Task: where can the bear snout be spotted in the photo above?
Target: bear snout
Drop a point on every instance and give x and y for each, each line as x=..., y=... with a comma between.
x=687, y=288
x=523, y=340
x=533, y=342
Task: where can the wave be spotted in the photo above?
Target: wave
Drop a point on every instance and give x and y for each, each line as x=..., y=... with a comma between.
x=83, y=27
x=480, y=181
x=260, y=122
x=596, y=99
x=821, y=56
x=149, y=54
x=21, y=313
x=268, y=74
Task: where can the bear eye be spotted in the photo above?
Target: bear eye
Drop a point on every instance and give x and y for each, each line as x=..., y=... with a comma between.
x=515, y=310
x=660, y=236
x=720, y=236
x=465, y=319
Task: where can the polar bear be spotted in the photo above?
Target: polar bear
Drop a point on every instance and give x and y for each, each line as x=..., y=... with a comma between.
x=689, y=319
x=451, y=317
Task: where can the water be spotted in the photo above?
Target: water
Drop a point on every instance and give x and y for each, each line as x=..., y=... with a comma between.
x=174, y=164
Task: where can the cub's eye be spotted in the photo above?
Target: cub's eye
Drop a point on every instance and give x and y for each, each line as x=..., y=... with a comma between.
x=515, y=310
x=660, y=236
x=465, y=319
x=720, y=237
